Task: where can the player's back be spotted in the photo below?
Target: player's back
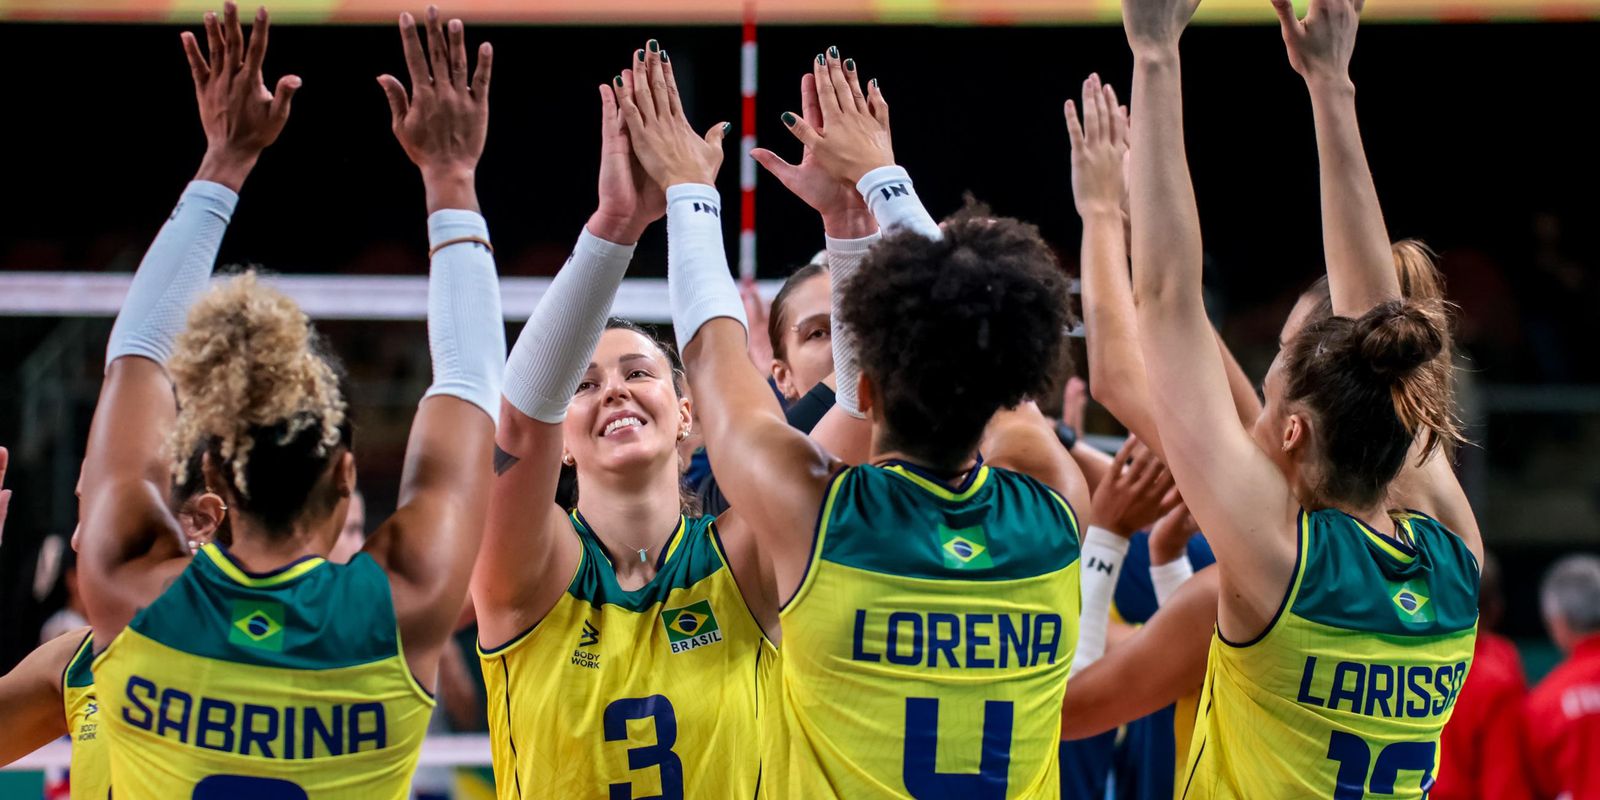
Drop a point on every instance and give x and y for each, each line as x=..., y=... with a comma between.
x=926, y=652
x=289, y=684
x=1346, y=692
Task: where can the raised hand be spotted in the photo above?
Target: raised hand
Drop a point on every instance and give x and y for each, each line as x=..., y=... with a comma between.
x=629, y=198
x=1099, y=147
x=442, y=125
x=844, y=213
x=5, y=494
x=240, y=117
x=670, y=151
x=854, y=138
x=757, y=312
x=1136, y=491
x=1153, y=26
x=1320, y=45
x=1074, y=401
x=1170, y=537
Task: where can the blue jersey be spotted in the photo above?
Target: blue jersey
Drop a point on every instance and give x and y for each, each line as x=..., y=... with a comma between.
x=1146, y=757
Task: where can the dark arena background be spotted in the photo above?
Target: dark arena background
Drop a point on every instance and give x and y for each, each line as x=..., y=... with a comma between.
x=1476, y=117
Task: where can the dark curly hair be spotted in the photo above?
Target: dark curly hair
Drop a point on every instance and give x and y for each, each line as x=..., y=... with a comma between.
x=951, y=331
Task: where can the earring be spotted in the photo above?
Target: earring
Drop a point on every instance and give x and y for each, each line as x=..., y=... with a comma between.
x=568, y=460
x=683, y=433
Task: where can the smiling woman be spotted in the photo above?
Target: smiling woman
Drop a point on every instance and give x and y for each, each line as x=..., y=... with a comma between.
x=656, y=619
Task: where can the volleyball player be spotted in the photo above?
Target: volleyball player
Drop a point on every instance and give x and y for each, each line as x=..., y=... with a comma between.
x=1343, y=630
x=620, y=639
x=51, y=692
x=260, y=669
x=925, y=540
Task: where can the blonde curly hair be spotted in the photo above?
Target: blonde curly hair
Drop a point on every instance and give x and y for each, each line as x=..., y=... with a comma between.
x=250, y=360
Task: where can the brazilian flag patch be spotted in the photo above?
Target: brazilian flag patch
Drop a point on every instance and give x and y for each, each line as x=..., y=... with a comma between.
x=966, y=548
x=691, y=626
x=1410, y=602
x=257, y=624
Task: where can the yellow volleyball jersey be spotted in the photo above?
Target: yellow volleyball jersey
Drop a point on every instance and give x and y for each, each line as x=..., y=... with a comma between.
x=290, y=685
x=650, y=693
x=1345, y=693
x=90, y=771
x=926, y=651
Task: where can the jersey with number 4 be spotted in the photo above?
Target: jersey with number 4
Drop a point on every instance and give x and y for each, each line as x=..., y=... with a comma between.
x=1346, y=692
x=290, y=685
x=649, y=693
x=926, y=651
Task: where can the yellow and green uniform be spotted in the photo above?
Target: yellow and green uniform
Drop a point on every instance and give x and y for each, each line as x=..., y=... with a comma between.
x=289, y=685
x=1346, y=691
x=90, y=773
x=925, y=653
x=649, y=693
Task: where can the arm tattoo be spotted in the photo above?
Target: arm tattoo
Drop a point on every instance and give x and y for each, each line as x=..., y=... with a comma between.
x=503, y=461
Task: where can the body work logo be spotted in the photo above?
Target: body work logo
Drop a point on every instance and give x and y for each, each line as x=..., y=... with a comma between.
x=581, y=657
x=964, y=549
x=257, y=624
x=691, y=626
x=1410, y=603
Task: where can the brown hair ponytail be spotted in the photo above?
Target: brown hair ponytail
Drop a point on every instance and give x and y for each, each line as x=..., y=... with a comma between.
x=1373, y=384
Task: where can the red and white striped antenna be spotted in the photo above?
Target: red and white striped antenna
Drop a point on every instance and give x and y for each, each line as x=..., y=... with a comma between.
x=747, y=142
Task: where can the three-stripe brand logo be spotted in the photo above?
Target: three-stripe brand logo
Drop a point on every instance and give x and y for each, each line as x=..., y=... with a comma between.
x=707, y=208
x=590, y=635
x=894, y=190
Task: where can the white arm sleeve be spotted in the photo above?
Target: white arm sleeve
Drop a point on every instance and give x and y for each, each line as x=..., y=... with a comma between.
x=894, y=203
x=844, y=259
x=699, y=286
x=466, y=331
x=175, y=271
x=1101, y=564
x=1169, y=576
x=559, y=339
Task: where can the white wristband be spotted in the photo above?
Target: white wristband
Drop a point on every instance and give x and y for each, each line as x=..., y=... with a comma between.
x=844, y=259
x=556, y=345
x=466, y=331
x=699, y=286
x=1169, y=576
x=1100, y=564
x=894, y=203
x=175, y=271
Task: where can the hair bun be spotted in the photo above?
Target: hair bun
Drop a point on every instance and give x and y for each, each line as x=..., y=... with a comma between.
x=1398, y=337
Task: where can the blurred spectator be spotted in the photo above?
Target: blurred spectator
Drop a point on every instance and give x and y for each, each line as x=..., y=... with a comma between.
x=1557, y=314
x=1485, y=731
x=1563, y=712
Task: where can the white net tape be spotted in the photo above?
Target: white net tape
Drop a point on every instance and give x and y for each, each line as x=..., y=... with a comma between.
x=349, y=297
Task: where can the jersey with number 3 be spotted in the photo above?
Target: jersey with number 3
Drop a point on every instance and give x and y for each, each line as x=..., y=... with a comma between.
x=290, y=685
x=926, y=651
x=619, y=694
x=1346, y=692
